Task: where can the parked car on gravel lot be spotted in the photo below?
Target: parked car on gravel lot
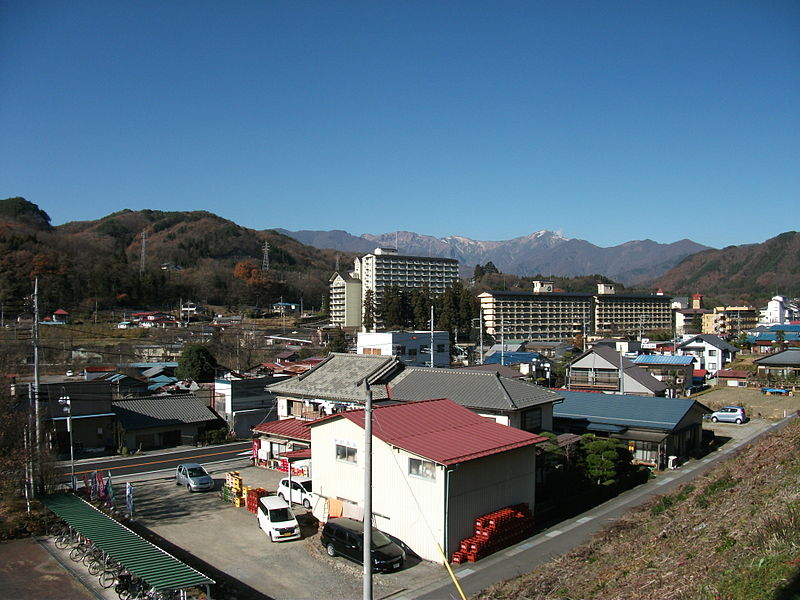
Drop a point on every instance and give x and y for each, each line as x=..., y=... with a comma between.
x=729, y=414
x=301, y=491
x=277, y=519
x=194, y=477
x=345, y=537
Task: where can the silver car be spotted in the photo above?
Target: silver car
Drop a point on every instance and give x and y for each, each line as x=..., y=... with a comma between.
x=194, y=477
x=729, y=414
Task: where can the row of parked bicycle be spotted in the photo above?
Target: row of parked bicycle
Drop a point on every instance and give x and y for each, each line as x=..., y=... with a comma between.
x=108, y=571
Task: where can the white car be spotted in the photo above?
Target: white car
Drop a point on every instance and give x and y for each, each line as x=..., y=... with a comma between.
x=277, y=520
x=301, y=491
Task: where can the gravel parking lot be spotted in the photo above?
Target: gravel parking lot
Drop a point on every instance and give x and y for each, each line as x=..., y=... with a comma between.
x=229, y=539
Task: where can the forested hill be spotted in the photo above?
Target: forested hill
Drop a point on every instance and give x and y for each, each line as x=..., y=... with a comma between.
x=190, y=255
x=740, y=274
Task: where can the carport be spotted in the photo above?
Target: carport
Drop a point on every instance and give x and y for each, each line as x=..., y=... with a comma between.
x=159, y=569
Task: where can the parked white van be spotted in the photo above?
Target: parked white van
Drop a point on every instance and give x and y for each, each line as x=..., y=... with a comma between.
x=277, y=519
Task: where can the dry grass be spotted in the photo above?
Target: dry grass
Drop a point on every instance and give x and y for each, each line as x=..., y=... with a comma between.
x=734, y=533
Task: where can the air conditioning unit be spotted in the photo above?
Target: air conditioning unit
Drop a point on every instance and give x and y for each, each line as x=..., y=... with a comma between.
x=679, y=380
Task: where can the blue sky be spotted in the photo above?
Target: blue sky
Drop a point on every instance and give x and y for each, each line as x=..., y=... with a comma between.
x=607, y=121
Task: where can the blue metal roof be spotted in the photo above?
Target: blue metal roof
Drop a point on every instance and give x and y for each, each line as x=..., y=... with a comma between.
x=645, y=412
x=663, y=359
x=512, y=358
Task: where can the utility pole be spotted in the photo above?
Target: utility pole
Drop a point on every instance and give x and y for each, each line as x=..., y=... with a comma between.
x=367, y=538
x=432, y=365
x=144, y=251
x=36, y=374
x=265, y=259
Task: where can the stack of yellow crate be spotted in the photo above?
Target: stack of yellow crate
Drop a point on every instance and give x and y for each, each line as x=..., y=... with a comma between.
x=233, y=481
x=241, y=500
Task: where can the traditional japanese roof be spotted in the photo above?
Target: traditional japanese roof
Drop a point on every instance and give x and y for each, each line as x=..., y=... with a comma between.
x=341, y=377
x=501, y=370
x=472, y=389
x=439, y=430
x=157, y=411
x=663, y=359
x=788, y=358
x=708, y=338
x=638, y=374
x=734, y=373
x=642, y=412
x=295, y=429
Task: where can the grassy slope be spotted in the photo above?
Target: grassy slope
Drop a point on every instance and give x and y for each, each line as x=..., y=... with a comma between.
x=734, y=533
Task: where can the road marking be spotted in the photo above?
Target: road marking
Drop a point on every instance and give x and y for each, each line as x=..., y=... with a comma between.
x=552, y=534
x=526, y=545
x=665, y=481
x=583, y=520
x=516, y=550
x=466, y=572
x=156, y=462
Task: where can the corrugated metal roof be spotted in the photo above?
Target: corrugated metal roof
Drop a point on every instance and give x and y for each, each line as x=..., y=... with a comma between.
x=472, y=389
x=156, y=567
x=156, y=411
x=295, y=429
x=663, y=359
x=788, y=358
x=662, y=414
x=440, y=430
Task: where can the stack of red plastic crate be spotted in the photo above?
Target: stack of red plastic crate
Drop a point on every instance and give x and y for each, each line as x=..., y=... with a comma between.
x=495, y=531
x=253, y=495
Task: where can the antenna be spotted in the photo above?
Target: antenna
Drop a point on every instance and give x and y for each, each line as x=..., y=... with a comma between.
x=144, y=251
x=265, y=259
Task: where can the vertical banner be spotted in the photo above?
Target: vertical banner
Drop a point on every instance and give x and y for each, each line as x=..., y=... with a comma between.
x=129, y=499
x=110, y=496
x=101, y=486
x=255, y=451
x=93, y=486
x=87, y=487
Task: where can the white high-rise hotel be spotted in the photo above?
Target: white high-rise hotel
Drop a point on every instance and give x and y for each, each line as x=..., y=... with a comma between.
x=384, y=269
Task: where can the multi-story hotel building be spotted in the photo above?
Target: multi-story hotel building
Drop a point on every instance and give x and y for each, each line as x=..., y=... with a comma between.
x=544, y=315
x=381, y=270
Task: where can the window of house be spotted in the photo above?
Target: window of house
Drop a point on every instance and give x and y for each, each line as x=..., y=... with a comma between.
x=532, y=419
x=645, y=451
x=418, y=467
x=440, y=347
x=712, y=352
x=346, y=453
x=412, y=351
x=399, y=350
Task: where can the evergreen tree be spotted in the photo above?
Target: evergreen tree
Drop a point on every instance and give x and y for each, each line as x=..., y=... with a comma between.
x=196, y=363
x=337, y=341
x=368, y=320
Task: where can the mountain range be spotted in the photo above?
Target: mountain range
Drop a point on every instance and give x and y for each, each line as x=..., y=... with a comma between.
x=540, y=253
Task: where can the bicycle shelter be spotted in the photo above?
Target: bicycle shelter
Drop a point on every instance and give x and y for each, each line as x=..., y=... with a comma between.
x=156, y=567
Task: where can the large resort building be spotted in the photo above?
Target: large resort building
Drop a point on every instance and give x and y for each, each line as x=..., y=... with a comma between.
x=545, y=315
x=381, y=270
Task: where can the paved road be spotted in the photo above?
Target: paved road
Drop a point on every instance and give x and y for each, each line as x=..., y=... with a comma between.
x=567, y=535
x=157, y=462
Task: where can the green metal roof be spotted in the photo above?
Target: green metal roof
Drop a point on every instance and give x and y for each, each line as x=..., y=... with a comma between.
x=156, y=567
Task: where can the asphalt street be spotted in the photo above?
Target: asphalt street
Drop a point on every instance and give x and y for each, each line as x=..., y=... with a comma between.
x=150, y=463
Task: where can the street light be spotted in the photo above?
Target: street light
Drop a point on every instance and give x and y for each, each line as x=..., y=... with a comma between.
x=66, y=402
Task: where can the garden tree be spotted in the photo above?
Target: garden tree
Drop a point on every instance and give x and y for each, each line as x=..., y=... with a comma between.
x=368, y=319
x=478, y=273
x=697, y=324
x=741, y=342
x=337, y=341
x=780, y=340
x=608, y=461
x=196, y=363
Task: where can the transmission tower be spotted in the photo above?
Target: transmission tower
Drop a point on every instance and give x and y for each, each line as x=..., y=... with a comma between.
x=144, y=251
x=265, y=260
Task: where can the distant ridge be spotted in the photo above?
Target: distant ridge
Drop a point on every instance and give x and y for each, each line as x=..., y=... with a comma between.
x=740, y=274
x=542, y=252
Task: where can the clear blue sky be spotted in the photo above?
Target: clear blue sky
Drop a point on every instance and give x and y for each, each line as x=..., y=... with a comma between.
x=607, y=121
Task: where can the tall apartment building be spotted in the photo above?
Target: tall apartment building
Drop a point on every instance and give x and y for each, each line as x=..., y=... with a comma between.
x=544, y=315
x=381, y=270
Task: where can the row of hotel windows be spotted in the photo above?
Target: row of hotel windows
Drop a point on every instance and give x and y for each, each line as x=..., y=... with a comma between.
x=417, y=467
